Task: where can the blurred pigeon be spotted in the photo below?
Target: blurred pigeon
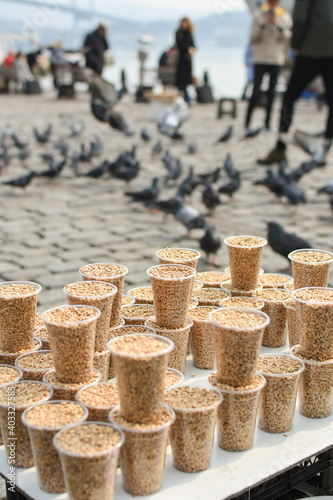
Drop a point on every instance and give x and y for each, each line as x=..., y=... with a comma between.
x=157, y=148
x=169, y=206
x=55, y=168
x=62, y=146
x=192, y=148
x=144, y=135
x=147, y=194
x=96, y=147
x=22, y=181
x=273, y=181
x=328, y=189
x=174, y=171
x=226, y=136
x=97, y=172
x=251, y=133
x=43, y=137
x=229, y=166
x=292, y=192
x=18, y=143
x=232, y=186
x=210, y=243
x=76, y=129
x=188, y=185
x=190, y=218
x=125, y=173
x=213, y=176
x=282, y=242
x=210, y=197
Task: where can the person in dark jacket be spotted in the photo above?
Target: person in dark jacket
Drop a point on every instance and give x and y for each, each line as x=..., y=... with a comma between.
x=186, y=48
x=312, y=41
x=95, y=45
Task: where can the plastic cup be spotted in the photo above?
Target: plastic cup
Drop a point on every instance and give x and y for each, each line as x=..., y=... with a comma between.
x=192, y=433
x=197, y=284
x=274, y=280
x=210, y=296
x=237, y=415
x=9, y=358
x=184, y=256
x=314, y=312
x=278, y=397
x=292, y=328
x=38, y=321
x=102, y=363
x=91, y=296
x=213, y=279
x=237, y=347
x=14, y=433
x=89, y=474
x=137, y=314
x=173, y=378
x=127, y=300
x=49, y=473
x=18, y=302
x=27, y=363
x=261, y=271
x=9, y=374
x=179, y=337
x=142, y=455
x=66, y=392
x=142, y=294
x=244, y=257
x=72, y=341
x=42, y=335
x=140, y=362
x=172, y=288
x=235, y=292
x=202, y=338
x=99, y=399
x=307, y=273
x=275, y=334
x=315, y=393
x=243, y=302
x=111, y=273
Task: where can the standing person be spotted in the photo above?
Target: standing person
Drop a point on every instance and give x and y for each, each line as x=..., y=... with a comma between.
x=186, y=49
x=312, y=41
x=270, y=32
x=95, y=45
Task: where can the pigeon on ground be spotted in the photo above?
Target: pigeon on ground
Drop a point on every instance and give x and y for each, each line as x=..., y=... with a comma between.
x=63, y=147
x=210, y=197
x=117, y=122
x=188, y=185
x=144, y=135
x=18, y=143
x=229, y=166
x=213, y=176
x=43, y=137
x=97, y=172
x=273, y=181
x=167, y=207
x=174, y=171
x=127, y=173
x=76, y=129
x=157, y=148
x=148, y=194
x=210, y=243
x=231, y=186
x=54, y=170
x=192, y=148
x=282, y=242
x=96, y=147
x=251, y=133
x=22, y=181
x=226, y=136
x=328, y=189
x=190, y=218
x=292, y=192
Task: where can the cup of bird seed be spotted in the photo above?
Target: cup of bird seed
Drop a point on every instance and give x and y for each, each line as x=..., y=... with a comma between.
x=89, y=454
x=67, y=392
x=111, y=273
x=235, y=292
x=34, y=365
x=314, y=311
x=292, y=327
x=274, y=280
x=15, y=398
x=9, y=374
x=173, y=378
x=140, y=362
x=210, y=296
x=261, y=271
x=213, y=279
x=243, y=302
x=43, y=421
x=244, y=256
x=142, y=294
x=278, y=397
x=315, y=393
x=72, y=332
x=99, y=399
x=183, y=256
x=275, y=334
x=125, y=330
x=137, y=314
x=197, y=284
x=143, y=453
x=38, y=321
x=192, y=433
x=9, y=358
x=18, y=302
x=42, y=335
x=172, y=288
x=98, y=294
x=179, y=337
x=127, y=300
x=202, y=338
x=237, y=415
x=311, y=267
x=238, y=336
x=102, y=363
x=289, y=286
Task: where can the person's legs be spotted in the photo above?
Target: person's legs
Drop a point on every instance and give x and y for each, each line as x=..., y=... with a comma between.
x=273, y=71
x=327, y=74
x=259, y=71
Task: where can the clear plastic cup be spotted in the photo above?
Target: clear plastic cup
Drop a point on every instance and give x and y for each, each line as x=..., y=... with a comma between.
x=292, y=328
x=42, y=335
x=261, y=271
x=213, y=279
x=315, y=393
x=140, y=362
x=237, y=415
x=197, y=284
x=275, y=334
x=289, y=286
x=235, y=292
x=244, y=257
x=193, y=304
x=308, y=272
x=89, y=296
x=89, y=474
x=127, y=300
x=143, y=453
x=9, y=374
x=111, y=273
x=142, y=294
x=202, y=338
x=274, y=280
x=243, y=302
x=314, y=313
x=38, y=321
x=179, y=337
x=278, y=397
x=102, y=363
x=72, y=341
x=34, y=365
x=12, y=405
x=172, y=288
x=173, y=378
x=137, y=314
x=99, y=399
x=18, y=302
x=184, y=256
x=9, y=358
x=237, y=347
x=192, y=433
x=66, y=392
x=49, y=473
x=210, y=296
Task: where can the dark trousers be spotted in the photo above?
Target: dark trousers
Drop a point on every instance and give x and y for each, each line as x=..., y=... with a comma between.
x=259, y=71
x=305, y=70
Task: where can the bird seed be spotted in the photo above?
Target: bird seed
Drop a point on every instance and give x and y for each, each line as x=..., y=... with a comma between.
x=67, y=392
x=202, y=338
x=172, y=378
x=137, y=314
x=126, y=300
x=9, y=374
x=235, y=292
x=274, y=280
x=38, y=321
x=210, y=296
x=292, y=327
x=34, y=365
x=243, y=302
x=310, y=268
x=213, y=279
x=102, y=363
x=9, y=358
x=142, y=294
x=245, y=257
x=275, y=334
x=184, y=256
x=100, y=399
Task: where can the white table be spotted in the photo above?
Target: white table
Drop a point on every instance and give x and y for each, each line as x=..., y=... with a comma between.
x=230, y=473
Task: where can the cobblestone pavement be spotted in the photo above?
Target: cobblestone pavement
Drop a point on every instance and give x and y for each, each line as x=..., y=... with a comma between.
x=52, y=228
